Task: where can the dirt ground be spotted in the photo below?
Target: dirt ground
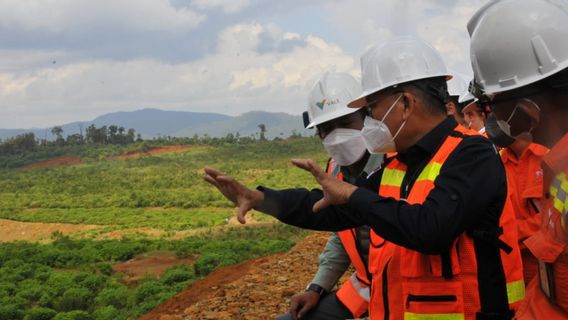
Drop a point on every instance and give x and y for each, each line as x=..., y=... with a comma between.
x=257, y=289
x=152, y=263
x=68, y=160
x=55, y=162
x=36, y=231
x=151, y=152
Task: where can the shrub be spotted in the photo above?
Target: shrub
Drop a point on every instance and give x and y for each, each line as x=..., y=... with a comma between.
x=11, y=312
x=39, y=313
x=115, y=297
x=73, y=315
x=75, y=299
x=177, y=275
x=107, y=313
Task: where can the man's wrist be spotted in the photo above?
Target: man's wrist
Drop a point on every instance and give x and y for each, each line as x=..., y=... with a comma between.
x=312, y=287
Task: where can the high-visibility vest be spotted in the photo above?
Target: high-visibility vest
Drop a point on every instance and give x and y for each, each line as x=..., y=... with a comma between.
x=407, y=284
x=354, y=293
x=550, y=243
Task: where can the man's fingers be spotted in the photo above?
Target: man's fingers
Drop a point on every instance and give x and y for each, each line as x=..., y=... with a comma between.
x=308, y=165
x=321, y=204
x=241, y=213
x=212, y=172
x=301, y=163
x=294, y=306
x=211, y=181
x=305, y=309
x=225, y=179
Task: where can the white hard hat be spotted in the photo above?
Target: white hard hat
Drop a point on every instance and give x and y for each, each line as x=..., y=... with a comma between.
x=518, y=42
x=329, y=97
x=399, y=60
x=466, y=96
x=457, y=84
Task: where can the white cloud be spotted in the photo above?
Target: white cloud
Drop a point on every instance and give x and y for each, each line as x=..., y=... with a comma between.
x=361, y=23
x=234, y=79
x=82, y=15
x=228, y=6
x=68, y=60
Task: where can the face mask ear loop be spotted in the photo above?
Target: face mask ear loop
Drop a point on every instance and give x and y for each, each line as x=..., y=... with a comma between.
x=391, y=108
x=398, y=131
x=513, y=113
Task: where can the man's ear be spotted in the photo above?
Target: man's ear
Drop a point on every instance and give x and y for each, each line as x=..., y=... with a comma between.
x=409, y=104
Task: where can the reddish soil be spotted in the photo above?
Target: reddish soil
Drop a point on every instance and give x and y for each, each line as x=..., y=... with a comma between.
x=55, y=162
x=33, y=231
x=149, y=264
x=150, y=152
x=257, y=289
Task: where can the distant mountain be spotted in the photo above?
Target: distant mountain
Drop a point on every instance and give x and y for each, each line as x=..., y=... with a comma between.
x=277, y=125
x=154, y=123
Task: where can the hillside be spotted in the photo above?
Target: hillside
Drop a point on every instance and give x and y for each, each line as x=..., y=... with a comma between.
x=108, y=237
x=153, y=123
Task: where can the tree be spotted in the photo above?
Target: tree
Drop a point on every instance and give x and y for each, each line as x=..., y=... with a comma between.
x=58, y=132
x=74, y=139
x=130, y=135
x=112, y=136
x=262, y=128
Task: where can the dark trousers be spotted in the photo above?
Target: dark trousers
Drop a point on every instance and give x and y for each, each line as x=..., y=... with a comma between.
x=328, y=308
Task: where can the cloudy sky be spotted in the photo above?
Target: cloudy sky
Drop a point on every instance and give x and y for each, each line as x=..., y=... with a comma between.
x=72, y=60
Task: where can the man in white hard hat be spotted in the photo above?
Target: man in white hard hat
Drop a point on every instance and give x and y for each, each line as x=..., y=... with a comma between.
x=457, y=86
x=519, y=54
x=437, y=249
x=474, y=116
x=339, y=127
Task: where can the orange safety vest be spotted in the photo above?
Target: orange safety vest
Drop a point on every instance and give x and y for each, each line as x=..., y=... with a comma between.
x=355, y=292
x=548, y=297
x=407, y=284
x=525, y=182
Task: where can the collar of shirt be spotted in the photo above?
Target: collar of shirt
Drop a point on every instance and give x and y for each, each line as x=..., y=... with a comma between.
x=373, y=163
x=534, y=149
x=557, y=158
x=429, y=144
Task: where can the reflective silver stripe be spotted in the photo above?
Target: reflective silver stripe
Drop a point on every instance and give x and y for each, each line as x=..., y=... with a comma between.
x=362, y=290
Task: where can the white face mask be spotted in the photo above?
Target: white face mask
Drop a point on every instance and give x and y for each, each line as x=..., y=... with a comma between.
x=345, y=146
x=377, y=135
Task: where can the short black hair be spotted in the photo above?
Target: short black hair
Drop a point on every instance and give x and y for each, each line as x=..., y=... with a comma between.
x=434, y=92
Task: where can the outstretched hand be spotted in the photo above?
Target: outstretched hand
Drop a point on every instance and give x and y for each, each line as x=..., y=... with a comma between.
x=335, y=192
x=244, y=198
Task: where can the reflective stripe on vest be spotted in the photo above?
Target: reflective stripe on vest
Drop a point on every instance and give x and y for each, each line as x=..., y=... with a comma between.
x=433, y=316
x=559, y=192
x=354, y=294
x=424, y=275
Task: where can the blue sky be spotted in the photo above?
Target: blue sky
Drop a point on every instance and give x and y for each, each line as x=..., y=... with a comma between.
x=71, y=60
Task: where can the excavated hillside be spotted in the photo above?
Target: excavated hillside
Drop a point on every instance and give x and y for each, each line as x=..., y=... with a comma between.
x=257, y=289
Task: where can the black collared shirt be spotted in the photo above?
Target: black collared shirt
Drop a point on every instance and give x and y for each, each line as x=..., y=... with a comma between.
x=469, y=193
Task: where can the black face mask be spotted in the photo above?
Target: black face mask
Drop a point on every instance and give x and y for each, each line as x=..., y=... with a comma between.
x=496, y=134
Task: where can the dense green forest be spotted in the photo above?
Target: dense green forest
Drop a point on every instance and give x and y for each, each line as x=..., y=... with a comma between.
x=71, y=276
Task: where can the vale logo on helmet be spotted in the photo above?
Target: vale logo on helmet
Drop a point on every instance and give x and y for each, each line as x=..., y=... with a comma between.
x=326, y=102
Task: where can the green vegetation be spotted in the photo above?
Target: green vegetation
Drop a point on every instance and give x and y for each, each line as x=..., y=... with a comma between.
x=119, y=191
x=72, y=279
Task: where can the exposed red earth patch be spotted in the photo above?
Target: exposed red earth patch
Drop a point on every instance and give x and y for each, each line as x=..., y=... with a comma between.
x=152, y=264
x=150, y=152
x=34, y=231
x=55, y=162
x=256, y=289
